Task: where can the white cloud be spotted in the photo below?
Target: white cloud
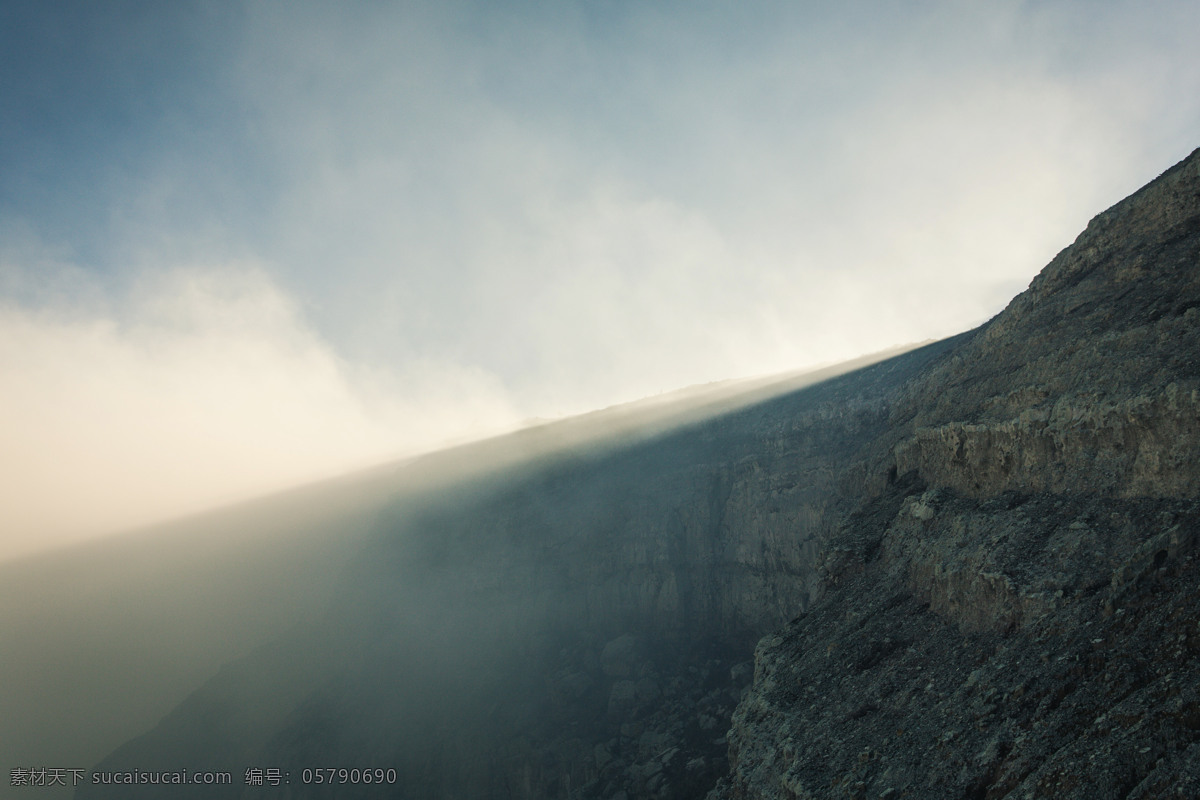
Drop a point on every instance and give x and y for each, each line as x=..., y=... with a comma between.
x=208, y=387
x=598, y=205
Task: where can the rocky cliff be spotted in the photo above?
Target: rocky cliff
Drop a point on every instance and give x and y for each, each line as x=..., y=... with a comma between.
x=987, y=541
x=1016, y=614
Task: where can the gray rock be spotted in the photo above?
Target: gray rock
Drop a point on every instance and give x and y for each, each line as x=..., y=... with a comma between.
x=621, y=656
x=622, y=699
x=968, y=638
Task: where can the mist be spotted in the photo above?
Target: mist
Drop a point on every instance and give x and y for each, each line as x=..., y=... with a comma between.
x=243, y=247
x=104, y=638
x=207, y=388
x=438, y=339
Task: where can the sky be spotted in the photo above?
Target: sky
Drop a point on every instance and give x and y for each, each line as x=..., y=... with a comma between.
x=247, y=245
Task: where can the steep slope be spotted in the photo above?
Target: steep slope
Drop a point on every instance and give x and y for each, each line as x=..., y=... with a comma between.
x=98, y=641
x=959, y=528
x=1016, y=615
x=521, y=630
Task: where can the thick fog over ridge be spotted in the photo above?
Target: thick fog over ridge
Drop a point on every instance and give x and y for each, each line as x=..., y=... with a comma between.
x=243, y=247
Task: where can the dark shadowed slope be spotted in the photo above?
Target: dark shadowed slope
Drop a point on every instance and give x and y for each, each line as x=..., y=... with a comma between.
x=475, y=622
x=99, y=641
x=988, y=541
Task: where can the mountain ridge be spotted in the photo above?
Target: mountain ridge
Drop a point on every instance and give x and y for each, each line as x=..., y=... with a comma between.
x=984, y=548
x=1040, y=541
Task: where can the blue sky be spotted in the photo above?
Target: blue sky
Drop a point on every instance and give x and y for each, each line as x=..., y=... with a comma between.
x=247, y=244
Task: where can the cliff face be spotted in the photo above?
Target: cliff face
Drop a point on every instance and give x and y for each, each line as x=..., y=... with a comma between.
x=1016, y=615
x=560, y=626
x=988, y=541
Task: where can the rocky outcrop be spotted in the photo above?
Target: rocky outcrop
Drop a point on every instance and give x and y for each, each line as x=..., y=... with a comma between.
x=1026, y=646
x=1132, y=447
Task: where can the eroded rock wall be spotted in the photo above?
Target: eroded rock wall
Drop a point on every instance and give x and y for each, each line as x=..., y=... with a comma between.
x=1016, y=614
